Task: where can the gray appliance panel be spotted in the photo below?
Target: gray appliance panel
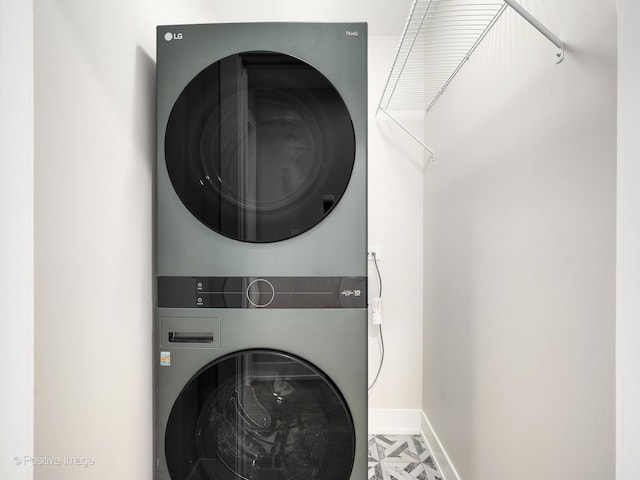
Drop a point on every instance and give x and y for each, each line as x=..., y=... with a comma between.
x=335, y=247
x=333, y=340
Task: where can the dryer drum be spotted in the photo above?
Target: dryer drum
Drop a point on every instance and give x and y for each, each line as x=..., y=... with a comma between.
x=294, y=161
x=260, y=146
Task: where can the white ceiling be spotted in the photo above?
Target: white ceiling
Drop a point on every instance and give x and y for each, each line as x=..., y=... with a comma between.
x=385, y=17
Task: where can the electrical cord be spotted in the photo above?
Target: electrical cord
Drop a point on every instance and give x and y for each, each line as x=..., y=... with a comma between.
x=375, y=262
x=380, y=336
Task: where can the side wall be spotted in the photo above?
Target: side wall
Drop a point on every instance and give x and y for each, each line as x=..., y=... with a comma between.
x=395, y=225
x=628, y=272
x=520, y=245
x=16, y=238
x=95, y=131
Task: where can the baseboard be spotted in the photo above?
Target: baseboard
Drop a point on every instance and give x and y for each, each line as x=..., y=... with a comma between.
x=394, y=421
x=440, y=456
x=412, y=422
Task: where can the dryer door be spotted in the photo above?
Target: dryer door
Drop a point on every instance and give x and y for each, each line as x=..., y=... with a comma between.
x=260, y=146
x=260, y=415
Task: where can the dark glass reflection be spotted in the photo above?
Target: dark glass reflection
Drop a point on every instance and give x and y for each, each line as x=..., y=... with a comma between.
x=260, y=415
x=260, y=146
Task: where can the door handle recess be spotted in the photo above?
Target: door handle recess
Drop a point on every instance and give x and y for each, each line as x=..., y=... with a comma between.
x=190, y=337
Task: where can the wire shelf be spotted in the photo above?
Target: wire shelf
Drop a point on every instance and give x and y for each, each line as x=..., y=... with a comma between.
x=438, y=38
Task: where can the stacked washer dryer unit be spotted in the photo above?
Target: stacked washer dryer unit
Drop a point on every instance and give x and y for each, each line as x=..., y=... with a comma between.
x=261, y=319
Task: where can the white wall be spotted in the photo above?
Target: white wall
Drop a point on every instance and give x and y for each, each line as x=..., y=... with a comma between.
x=520, y=251
x=16, y=238
x=395, y=224
x=628, y=262
x=95, y=131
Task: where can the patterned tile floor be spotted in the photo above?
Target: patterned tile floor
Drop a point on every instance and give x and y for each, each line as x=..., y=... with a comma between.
x=400, y=457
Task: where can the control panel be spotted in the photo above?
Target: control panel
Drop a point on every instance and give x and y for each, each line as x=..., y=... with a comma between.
x=258, y=292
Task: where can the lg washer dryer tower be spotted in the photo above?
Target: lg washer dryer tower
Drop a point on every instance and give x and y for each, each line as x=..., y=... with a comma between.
x=261, y=317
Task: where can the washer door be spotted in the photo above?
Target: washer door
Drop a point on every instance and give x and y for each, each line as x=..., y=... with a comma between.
x=260, y=415
x=260, y=146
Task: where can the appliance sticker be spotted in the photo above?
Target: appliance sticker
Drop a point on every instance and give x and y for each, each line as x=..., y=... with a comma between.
x=165, y=359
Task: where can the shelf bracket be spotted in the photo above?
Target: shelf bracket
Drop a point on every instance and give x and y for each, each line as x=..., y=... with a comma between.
x=540, y=27
x=407, y=131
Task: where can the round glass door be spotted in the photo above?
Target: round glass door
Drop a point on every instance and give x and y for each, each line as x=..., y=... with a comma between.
x=260, y=146
x=260, y=415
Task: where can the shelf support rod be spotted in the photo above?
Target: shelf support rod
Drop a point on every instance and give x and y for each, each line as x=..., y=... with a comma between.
x=407, y=131
x=540, y=27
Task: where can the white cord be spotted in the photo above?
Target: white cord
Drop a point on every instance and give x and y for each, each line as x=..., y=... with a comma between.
x=378, y=300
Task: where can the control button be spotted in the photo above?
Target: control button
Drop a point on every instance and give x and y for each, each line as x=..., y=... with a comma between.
x=260, y=293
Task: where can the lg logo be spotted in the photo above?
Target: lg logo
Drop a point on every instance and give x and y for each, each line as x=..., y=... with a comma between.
x=172, y=36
